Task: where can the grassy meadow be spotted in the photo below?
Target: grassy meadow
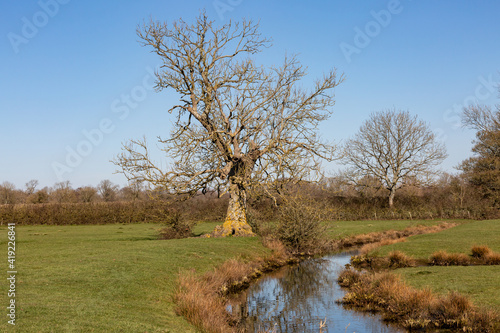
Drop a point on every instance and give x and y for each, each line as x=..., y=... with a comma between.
x=108, y=278
x=121, y=277
x=480, y=283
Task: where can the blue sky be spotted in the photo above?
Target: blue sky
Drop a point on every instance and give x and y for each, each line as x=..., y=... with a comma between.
x=75, y=79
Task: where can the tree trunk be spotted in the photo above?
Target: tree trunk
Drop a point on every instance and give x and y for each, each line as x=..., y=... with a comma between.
x=391, y=197
x=236, y=218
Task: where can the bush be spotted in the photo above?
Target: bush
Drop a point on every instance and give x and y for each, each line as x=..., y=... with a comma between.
x=299, y=226
x=177, y=227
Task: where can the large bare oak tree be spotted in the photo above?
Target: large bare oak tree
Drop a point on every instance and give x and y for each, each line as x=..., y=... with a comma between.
x=238, y=125
x=393, y=146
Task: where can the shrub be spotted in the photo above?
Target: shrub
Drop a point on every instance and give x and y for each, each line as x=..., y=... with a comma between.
x=177, y=227
x=480, y=252
x=299, y=226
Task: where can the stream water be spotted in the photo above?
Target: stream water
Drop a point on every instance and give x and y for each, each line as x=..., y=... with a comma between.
x=298, y=298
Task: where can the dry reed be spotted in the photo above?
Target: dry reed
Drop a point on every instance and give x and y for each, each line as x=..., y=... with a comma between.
x=413, y=308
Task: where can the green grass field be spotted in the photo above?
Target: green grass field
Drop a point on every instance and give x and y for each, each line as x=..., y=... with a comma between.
x=458, y=239
x=107, y=278
x=120, y=278
x=480, y=283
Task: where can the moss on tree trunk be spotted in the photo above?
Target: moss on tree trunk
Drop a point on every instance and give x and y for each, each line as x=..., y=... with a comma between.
x=236, y=218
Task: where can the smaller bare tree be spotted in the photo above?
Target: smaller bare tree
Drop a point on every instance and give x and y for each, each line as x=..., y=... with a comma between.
x=86, y=193
x=134, y=191
x=40, y=196
x=107, y=190
x=391, y=146
x=7, y=193
x=31, y=186
x=62, y=192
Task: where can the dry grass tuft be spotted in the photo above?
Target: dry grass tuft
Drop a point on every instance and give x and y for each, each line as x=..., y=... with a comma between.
x=398, y=259
x=451, y=307
x=229, y=276
x=480, y=252
x=348, y=277
x=413, y=308
x=197, y=301
x=279, y=250
x=484, y=255
x=493, y=258
x=443, y=258
x=201, y=299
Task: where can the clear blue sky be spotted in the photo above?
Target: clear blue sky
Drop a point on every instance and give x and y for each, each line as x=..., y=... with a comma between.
x=70, y=67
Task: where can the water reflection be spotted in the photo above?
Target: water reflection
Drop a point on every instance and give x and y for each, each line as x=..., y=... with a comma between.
x=298, y=298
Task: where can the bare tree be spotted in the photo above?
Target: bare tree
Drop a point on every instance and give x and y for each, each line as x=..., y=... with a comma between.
x=62, y=192
x=134, y=191
x=40, y=196
x=107, y=190
x=481, y=118
x=483, y=168
x=86, y=193
x=391, y=146
x=238, y=125
x=459, y=189
x=31, y=186
x=7, y=193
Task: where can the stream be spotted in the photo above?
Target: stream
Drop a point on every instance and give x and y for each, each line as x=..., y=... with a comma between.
x=298, y=298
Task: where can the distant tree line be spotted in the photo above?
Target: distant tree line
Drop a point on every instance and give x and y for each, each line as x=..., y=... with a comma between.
x=337, y=198
x=63, y=192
